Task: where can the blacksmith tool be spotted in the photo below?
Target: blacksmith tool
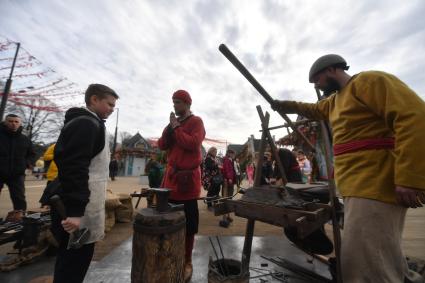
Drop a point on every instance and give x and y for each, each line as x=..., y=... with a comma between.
x=305, y=273
x=215, y=199
x=218, y=259
x=76, y=238
x=332, y=192
x=160, y=201
x=241, y=68
x=222, y=255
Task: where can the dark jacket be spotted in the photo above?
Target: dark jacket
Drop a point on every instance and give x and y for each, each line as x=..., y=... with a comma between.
x=290, y=166
x=155, y=173
x=81, y=138
x=266, y=171
x=16, y=152
x=209, y=170
x=113, y=168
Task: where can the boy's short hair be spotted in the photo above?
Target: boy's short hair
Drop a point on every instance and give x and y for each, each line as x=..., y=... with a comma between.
x=11, y=115
x=100, y=91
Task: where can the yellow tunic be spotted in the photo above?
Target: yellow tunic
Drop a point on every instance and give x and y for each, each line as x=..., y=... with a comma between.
x=374, y=105
x=52, y=171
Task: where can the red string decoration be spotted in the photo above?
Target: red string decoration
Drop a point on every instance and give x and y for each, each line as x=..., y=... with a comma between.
x=35, y=85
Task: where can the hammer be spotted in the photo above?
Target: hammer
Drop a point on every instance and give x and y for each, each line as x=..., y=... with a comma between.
x=76, y=238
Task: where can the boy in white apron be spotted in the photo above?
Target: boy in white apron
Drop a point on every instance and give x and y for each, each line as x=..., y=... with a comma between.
x=82, y=157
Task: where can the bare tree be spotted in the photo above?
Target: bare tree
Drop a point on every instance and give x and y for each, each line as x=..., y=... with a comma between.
x=125, y=136
x=41, y=120
x=110, y=141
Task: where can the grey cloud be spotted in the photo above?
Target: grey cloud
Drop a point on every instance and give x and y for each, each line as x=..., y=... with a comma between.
x=210, y=11
x=231, y=35
x=147, y=49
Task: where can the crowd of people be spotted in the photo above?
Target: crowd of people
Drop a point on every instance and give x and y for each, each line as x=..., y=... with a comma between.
x=217, y=171
x=377, y=124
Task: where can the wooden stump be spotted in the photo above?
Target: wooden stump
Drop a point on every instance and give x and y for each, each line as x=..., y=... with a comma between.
x=158, y=247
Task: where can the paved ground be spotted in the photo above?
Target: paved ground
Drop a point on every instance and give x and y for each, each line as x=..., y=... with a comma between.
x=413, y=238
x=116, y=266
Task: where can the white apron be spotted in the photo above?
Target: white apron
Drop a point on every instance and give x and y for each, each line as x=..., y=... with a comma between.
x=94, y=215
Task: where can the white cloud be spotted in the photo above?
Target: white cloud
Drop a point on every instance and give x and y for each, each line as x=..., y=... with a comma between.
x=148, y=49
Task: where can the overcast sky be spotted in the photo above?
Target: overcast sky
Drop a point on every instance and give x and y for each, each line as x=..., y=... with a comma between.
x=146, y=50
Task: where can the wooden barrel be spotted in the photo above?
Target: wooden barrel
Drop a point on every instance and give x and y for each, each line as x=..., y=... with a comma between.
x=158, y=247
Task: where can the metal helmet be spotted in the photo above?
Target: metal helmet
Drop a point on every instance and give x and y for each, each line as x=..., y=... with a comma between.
x=325, y=62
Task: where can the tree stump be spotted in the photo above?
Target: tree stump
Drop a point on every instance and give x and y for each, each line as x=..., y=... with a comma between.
x=158, y=247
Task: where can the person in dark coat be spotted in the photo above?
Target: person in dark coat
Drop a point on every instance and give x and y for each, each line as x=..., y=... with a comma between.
x=267, y=169
x=113, y=169
x=290, y=166
x=211, y=175
x=16, y=155
x=154, y=171
x=82, y=156
x=229, y=176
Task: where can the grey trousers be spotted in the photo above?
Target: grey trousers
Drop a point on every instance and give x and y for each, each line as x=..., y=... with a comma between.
x=371, y=243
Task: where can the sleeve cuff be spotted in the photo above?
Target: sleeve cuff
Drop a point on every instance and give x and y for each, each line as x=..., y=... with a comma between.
x=74, y=210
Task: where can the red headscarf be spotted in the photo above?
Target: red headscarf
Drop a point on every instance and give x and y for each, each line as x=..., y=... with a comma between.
x=183, y=96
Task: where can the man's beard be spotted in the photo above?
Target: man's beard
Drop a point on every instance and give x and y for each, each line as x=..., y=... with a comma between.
x=180, y=113
x=332, y=86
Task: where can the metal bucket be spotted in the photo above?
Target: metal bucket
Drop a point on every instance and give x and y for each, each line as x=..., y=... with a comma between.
x=226, y=270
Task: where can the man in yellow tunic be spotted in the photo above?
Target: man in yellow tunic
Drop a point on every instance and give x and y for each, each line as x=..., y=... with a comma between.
x=378, y=126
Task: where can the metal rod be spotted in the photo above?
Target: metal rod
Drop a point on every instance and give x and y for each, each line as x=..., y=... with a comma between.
x=114, y=146
x=269, y=273
x=213, y=269
x=257, y=269
x=18, y=45
x=222, y=256
x=280, y=279
x=216, y=255
x=261, y=275
x=8, y=84
x=235, y=61
x=303, y=272
x=332, y=192
x=301, y=122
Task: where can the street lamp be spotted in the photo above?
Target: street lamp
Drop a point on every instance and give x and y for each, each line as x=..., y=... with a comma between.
x=8, y=84
x=114, y=146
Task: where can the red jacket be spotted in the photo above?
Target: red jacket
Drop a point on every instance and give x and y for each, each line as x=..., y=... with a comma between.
x=229, y=169
x=183, y=146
